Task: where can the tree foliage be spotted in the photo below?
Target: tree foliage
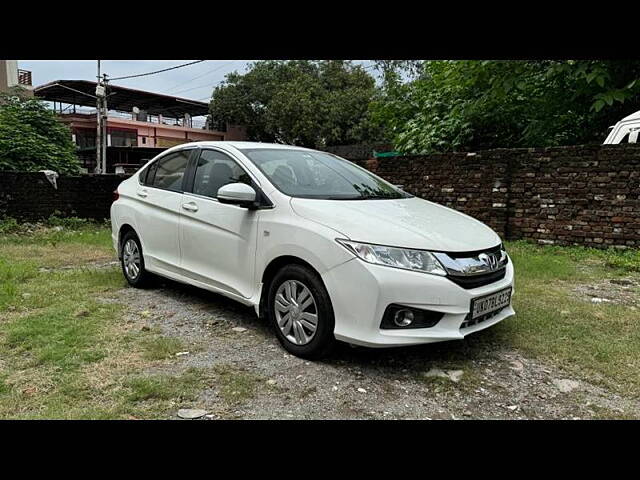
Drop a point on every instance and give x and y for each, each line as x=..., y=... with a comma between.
x=32, y=138
x=301, y=102
x=471, y=104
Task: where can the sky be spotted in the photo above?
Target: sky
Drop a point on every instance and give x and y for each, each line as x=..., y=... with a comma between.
x=194, y=82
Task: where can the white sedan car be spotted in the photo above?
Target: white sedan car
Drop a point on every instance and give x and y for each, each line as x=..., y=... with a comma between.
x=320, y=247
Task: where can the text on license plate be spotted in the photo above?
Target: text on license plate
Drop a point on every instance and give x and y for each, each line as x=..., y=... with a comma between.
x=489, y=303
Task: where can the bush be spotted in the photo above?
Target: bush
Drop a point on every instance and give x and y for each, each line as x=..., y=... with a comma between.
x=9, y=225
x=72, y=223
x=32, y=138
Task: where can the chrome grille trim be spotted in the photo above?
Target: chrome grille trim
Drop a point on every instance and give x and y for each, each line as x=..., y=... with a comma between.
x=475, y=269
x=474, y=263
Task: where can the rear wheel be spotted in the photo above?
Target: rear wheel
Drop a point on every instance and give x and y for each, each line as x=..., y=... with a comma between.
x=132, y=261
x=299, y=308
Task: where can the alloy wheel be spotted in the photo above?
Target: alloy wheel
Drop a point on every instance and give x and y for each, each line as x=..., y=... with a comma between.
x=131, y=259
x=296, y=312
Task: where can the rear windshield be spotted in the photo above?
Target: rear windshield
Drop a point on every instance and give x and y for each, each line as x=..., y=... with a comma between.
x=311, y=174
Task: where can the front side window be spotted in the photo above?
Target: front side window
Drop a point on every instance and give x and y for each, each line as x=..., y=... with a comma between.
x=310, y=174
x=214, y=170
x=169, y=171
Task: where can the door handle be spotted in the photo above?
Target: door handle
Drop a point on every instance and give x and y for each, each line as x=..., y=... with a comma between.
x=192, y=207
x=142, y=193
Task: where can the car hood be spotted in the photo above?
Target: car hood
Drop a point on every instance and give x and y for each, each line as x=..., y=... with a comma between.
x=407, y=222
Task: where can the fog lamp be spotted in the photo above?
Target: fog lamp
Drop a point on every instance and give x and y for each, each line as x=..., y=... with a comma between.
x=403, y=318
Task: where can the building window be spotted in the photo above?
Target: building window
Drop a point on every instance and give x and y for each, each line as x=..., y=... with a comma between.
x=124, y=138
x=85, y=138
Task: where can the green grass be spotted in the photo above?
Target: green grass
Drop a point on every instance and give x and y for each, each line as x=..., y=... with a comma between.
x=63, y=352
x=600, y=341
x=235, y=385
x=66, y=354
x=58, y=337
x=4, y=388
x=12, y=275
x=160, y=348
x=166, y=387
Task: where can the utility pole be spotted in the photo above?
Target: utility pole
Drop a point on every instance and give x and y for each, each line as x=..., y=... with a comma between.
x=105, y=137
x=101, y=117
x=98, y=168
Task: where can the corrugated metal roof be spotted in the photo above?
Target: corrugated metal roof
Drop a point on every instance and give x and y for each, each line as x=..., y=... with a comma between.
x=82, y=92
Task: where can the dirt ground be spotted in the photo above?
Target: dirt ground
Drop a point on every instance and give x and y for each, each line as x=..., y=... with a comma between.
x=470, y=379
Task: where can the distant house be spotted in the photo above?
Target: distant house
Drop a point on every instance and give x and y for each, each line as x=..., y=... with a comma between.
x=11, y=76
x=139, y=125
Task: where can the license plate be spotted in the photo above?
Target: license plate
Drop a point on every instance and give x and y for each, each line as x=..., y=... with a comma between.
x=487, y=304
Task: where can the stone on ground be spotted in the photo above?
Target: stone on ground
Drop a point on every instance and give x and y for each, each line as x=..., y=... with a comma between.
x=565, y=385
x=191, y=413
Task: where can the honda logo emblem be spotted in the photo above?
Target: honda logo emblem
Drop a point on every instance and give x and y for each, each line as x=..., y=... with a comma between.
x=489, y=260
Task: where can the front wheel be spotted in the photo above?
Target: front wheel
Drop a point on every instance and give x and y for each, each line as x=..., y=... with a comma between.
x=299, y=308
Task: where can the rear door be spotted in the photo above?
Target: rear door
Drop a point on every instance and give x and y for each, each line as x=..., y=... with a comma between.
x=218, y=241
x=158, y=214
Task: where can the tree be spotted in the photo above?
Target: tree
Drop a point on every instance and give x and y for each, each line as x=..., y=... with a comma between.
x=300, y=102
x=32, y=138
x=475, y=104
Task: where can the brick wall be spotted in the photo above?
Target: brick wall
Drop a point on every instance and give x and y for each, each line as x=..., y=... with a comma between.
x=584, y=195
x=360, y=150
x=31, y=197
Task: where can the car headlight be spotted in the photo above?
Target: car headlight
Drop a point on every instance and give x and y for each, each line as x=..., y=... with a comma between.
x=406, y=258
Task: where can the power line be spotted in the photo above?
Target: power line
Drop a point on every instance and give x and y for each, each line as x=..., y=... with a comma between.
x=192, y=88
x=199, y=86
x=204, y=74
x=157, y=71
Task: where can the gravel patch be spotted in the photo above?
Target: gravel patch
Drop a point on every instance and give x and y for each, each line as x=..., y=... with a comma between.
x=88, y=265
x=622, y=291
x=254, y=378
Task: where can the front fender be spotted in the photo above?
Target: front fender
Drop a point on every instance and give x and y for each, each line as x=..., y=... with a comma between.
x=301, y=238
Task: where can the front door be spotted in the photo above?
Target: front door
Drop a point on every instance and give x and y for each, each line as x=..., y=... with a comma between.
x=218, y=241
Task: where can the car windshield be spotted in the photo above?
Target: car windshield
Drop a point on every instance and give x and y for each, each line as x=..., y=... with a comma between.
x=311, y=174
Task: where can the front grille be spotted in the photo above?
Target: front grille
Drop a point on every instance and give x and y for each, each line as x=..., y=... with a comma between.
x=475, y=281
x=469, y=322
x=474, y=269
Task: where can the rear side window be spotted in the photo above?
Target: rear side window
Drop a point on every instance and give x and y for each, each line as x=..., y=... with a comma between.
x=146, y=177
x=167, y=173
x=214, y=170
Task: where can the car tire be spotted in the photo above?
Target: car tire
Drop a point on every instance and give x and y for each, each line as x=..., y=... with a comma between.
x=132, y=261
x=295, y=333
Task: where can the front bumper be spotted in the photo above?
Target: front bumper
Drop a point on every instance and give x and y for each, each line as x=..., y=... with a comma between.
x=360, y=293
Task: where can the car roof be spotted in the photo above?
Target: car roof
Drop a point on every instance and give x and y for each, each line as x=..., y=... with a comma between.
x=240, y=145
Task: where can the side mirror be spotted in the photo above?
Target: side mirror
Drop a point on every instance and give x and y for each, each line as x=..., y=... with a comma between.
x=239, y=194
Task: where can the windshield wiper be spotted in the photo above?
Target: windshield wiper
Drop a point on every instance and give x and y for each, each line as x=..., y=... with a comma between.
x=354, y=197
x=379, y=196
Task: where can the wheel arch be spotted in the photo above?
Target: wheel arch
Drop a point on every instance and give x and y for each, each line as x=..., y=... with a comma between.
x=270, y=271
x=124, y=229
